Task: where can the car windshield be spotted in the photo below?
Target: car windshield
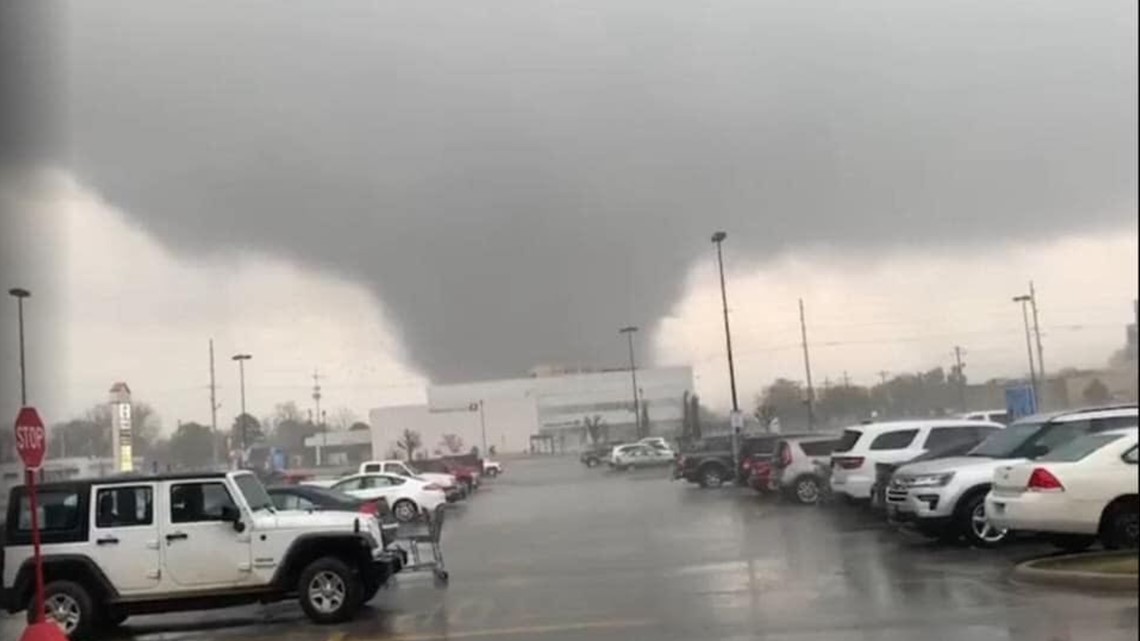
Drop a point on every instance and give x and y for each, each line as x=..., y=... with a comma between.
x=254, y=492
x=1005, y=443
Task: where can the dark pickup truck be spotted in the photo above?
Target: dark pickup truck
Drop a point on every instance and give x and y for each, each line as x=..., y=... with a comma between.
x=708, y=461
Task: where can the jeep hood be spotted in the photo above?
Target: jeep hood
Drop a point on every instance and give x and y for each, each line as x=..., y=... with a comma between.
x=953, y=464
x=327, y=520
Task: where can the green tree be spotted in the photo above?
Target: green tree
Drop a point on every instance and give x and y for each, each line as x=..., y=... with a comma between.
x=643, y=424
x=593, y=427
x=246, y=431
x=1096, y=392
x=359, y=426
x=192, y=446
x=695, y=416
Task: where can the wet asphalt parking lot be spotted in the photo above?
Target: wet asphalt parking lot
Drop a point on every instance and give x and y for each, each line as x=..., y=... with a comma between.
x=553, y=551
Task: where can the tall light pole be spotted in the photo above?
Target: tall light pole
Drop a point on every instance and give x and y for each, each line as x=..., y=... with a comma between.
x=241, y=359
x=1024, y=300
x=1037, y=334
x=20, y=295
x=629, y=332
x=717, y=239
x=483, y=429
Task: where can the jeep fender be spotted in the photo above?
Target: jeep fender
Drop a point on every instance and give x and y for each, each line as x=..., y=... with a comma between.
x=73, y=567
x=354, y=548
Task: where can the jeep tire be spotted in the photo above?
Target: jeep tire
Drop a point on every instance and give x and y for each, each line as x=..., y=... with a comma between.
x=712, y=476
x=329, y=591
x=69, y=604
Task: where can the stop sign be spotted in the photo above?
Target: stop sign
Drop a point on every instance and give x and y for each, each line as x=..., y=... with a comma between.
x=31, y=440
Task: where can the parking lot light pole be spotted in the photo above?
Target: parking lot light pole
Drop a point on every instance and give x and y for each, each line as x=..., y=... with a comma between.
x=629, y=332
x=1025, y=300
x=717, y=239
x=241, y=359
x=20, y=294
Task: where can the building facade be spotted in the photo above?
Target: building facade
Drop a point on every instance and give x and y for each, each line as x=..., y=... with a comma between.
x=553, y=403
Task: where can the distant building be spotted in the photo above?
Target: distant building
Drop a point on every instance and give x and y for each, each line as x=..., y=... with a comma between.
x=552, y=402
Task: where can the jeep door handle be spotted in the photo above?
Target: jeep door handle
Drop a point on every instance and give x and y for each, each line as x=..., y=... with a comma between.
x=177, y=536
x=107, y=540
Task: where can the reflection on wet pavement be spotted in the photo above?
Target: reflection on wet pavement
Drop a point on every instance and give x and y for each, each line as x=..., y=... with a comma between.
x=554, y=551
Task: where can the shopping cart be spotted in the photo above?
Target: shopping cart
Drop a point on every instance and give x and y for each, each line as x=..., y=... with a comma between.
x=420, y=539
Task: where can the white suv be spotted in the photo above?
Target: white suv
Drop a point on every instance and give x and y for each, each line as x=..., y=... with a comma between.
x=862, y=446
x=945, y=498
x=141, y=545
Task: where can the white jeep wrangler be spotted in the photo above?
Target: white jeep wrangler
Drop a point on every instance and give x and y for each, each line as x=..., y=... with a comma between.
x=120, y=546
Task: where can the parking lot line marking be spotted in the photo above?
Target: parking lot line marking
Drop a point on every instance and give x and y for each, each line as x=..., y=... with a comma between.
x=523, y=630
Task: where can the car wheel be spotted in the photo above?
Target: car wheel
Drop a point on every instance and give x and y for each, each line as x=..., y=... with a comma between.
x=976, y=527
x=712, y=476
x=1121, y=528
x=1072, y=542
x=405, y=510
x=68, y=605
x=329, y=591
x=591, y=462
x=807, y=490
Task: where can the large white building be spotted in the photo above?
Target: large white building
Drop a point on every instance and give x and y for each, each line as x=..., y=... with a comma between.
x=553, y=403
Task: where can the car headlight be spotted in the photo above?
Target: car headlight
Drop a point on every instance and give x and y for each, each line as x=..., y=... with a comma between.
x=930, y=480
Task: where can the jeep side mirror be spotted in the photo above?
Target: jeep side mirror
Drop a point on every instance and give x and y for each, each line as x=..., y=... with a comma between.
x=232, y=516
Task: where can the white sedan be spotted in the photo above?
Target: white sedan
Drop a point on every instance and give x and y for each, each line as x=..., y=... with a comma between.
x=407, y=496
x=1081, y=491
x=639, y=455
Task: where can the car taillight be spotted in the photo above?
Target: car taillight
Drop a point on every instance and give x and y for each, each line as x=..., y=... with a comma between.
x=370, y=508
x=785, y=456
x=848, y=462
x=1042, y=480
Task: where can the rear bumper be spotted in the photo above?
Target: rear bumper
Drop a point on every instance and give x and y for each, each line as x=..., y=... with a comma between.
x=1039, y=512
x=856, y=486
x=387, y=564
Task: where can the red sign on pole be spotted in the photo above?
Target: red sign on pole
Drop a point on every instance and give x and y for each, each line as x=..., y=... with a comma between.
x=31, y=440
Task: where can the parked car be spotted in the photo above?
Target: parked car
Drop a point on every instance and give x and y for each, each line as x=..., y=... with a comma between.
x=447, y=482
x=796, y=463
x=945, y=498
x=1081, y=491
x=121, y=546
x=597, y=454
x=757, y=468
x=708, y=461
x=307, y=498
x=990, y=416
x=492, y=468
x=467, y=477
x=637, y=455
x=658, y=442
x=860, y=447
x=409, y=497
x=885, y=471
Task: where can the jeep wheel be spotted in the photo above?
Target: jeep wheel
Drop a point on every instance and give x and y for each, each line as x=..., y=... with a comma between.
x=976, y=527
x=68, y=605
x=329, y=591
x=405, y=510
x=807, y=490
x=712, y=476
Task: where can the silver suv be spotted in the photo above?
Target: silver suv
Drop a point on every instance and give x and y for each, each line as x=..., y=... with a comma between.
x=796, y=466
x=945, y=498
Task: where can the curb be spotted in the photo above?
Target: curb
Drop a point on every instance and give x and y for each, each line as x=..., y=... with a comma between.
x=1031, y=572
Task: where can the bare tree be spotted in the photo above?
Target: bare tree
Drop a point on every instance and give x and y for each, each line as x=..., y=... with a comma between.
x=343, y=419
x=409, y=442
x=452, y=443
x=594, y=427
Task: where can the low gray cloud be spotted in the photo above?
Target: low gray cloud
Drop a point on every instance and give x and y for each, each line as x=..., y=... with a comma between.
x=516, y=179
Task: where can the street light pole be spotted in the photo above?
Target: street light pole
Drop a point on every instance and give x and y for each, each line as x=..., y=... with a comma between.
x=718, y=238
x=1024, y=300
x=483, y=428
x=241, y=359
x=1037, y=335
x=20, y=295
x=629, y=332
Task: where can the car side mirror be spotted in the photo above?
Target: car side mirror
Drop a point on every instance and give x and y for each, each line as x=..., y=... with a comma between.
x=232, y=516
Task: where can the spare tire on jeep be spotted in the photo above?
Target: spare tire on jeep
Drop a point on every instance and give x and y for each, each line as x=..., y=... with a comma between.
x=329, y=590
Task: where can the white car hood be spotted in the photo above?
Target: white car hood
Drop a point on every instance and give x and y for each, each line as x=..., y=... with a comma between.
x=955, y=464
x=321, y=521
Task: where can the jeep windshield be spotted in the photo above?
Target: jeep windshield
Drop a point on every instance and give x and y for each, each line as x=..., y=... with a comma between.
x=254, y=492
x=1008, y=442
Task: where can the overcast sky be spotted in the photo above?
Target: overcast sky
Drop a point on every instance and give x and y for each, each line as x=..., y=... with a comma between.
x=463, y=190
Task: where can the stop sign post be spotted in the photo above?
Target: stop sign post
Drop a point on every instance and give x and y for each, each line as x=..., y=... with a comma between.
x=31, y=443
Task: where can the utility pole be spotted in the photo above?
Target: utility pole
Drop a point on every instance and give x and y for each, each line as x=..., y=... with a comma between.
x=960, y=368
x=718, y=238
x=1040, y=352
x=846, y=380
x=213, y=406
x=629, y=332
x=1024, y=300
x=883, y=376
x=317, y=394
x=20, y=294
x=807, y=370
x=241, y=359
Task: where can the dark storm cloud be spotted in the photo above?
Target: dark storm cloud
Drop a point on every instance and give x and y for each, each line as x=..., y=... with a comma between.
x=516, y=179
